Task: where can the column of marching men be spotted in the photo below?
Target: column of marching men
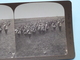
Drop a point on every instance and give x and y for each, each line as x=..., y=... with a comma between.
x=38, y=28
x=4, y=26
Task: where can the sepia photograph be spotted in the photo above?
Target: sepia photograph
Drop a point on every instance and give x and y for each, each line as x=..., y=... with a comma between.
x=40, y=30
x=36, y=30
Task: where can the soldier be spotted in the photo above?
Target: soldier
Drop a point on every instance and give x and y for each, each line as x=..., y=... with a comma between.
x=25, y=32
x=39, y=28
x=16, y=31
x=53, y=26
x=29, y=33
x=6, y=29
x=59, y=25
x=46, y=26
x=19, y=32
x=34, y=30
x=0, y=29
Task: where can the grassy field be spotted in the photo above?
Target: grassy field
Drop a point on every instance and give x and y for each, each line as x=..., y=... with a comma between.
x=51, y=43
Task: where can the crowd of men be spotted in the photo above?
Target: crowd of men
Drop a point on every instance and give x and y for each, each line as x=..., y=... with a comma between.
x=4, y=26
x=38, y=28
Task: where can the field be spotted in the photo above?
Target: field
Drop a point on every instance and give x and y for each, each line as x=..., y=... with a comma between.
x=49, y=44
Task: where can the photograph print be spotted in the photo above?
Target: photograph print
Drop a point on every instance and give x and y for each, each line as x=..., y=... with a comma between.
x=40, y=30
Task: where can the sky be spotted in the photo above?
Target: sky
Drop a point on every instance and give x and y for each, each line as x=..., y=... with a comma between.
x=5, y=12
x=32, y=10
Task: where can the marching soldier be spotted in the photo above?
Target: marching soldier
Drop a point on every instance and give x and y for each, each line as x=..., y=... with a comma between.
x=6, y=29
x=59, y=25
x=19, y=32
x=53, y=26
x=29, y=33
